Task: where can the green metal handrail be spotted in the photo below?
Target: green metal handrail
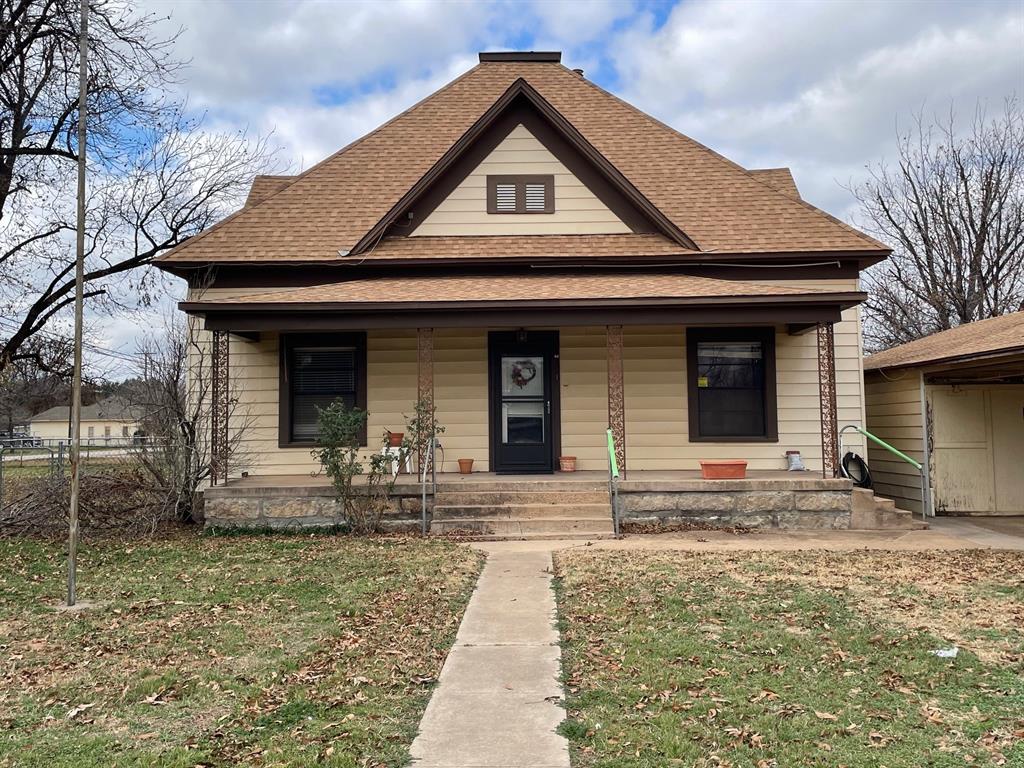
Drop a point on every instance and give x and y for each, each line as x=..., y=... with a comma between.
x=613, y=482
x=916, y=464
x=613, y=463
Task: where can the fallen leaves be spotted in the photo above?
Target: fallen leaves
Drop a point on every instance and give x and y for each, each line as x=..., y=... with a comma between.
x=242, y=649
x=689, y=653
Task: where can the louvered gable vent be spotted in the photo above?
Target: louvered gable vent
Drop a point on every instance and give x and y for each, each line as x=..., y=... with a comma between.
x=521, y=194
x=505, y=198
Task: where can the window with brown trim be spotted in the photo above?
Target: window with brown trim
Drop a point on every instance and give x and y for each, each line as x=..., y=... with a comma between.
x=731, y=384
x=521, y=194
x=316, y=370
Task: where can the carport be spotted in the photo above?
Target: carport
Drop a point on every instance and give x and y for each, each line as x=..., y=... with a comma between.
x=955, y=402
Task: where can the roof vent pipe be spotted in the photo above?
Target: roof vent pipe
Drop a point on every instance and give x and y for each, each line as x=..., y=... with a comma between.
x=578, y=72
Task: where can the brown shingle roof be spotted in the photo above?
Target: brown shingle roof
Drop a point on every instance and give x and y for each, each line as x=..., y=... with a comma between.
x=780, y=179
x=992, y=336
x=498, y=288
x=331, y=206
x=264, y=186
x=524, y=246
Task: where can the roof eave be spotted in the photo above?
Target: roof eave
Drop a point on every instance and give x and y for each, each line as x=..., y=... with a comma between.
x=948, y=360
x=843, y=300
x=863, y=259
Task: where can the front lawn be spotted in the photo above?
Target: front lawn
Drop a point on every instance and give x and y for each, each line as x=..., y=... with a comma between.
x=219, y=651
x=768, y=660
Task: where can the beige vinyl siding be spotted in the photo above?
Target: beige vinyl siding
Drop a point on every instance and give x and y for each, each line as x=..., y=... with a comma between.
x=657, y=418
x=460, y=395
x=254, y=384
x=655, y=391
x=657, y=415
x=894, y=415
x=583, y=366
x=577, y=209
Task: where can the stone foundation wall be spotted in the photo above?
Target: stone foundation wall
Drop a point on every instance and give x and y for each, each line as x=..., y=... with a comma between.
x=746, y=504
x=786, y=504
x=296, y=508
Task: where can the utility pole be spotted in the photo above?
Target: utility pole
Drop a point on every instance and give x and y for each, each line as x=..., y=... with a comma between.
x=76, y=381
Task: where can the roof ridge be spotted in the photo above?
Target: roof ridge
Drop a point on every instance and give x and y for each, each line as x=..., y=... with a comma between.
x=317, y=166
x=732, y=163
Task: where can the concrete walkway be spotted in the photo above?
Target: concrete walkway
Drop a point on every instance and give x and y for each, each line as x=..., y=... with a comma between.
x=498, y=699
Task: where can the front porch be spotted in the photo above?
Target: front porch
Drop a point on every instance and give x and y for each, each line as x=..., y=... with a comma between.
x=528, y=505
x=681, y=369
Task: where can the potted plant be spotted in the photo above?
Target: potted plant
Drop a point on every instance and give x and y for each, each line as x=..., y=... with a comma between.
x=395, y=439
x=567, y=463
x=465, y=466
x=723, y=469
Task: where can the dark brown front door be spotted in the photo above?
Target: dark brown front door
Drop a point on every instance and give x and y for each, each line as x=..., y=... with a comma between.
x=523, y=400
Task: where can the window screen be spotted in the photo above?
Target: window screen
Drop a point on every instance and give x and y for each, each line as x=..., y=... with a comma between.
x=731, y=378
x=317, y=376
x=521, y=194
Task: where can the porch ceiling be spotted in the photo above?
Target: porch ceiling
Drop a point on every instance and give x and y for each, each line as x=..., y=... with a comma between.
x=533, y=299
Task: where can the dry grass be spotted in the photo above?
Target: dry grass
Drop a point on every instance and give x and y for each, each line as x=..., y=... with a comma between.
x=247, y=650
x=793, y=659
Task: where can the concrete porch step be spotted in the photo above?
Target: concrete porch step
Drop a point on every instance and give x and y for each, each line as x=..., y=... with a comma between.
x=446, y=511
x=540, y=485
x=520, y=497
x=495, y=526
x=537, y=536
x=872, y=512
x=903, y=520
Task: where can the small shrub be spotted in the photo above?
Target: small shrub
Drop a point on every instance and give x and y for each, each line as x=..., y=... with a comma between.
x=337, y=451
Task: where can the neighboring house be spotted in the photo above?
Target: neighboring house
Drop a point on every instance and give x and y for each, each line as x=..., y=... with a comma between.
x=110, y=420
x=543, y=261
x=969, y=381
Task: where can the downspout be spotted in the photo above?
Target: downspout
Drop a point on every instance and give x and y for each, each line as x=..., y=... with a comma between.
x=926, y=478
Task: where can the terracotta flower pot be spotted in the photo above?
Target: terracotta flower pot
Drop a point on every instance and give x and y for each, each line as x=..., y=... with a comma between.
x=728, y=469
x=395, y=439
x=567, y=463
x=465, y=466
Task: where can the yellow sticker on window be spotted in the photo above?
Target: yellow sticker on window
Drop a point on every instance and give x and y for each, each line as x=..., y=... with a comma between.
x=702, y=381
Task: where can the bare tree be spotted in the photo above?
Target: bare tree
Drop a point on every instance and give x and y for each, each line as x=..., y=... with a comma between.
x=34, y=383
x=155, y=177
x=175, y=397
x=953, y=211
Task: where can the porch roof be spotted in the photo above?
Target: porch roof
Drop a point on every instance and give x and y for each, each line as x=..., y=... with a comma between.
x=532, y=299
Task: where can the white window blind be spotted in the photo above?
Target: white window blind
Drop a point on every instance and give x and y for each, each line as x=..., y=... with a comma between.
x=319, y=376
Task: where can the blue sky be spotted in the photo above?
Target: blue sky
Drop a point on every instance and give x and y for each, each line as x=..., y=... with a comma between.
x=821, y=87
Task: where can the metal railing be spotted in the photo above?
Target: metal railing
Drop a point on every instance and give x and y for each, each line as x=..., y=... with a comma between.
x=613, y=481
x=925, y=506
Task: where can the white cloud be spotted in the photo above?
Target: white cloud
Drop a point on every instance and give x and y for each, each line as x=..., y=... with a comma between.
x=817, y=86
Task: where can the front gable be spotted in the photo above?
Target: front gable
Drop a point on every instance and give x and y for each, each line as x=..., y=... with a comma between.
x=575, y=208
x=522, y=137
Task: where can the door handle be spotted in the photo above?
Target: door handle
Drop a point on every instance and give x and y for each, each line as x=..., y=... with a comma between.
x=548, y=403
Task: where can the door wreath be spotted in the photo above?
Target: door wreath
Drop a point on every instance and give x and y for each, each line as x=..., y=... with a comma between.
x=523, y=372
